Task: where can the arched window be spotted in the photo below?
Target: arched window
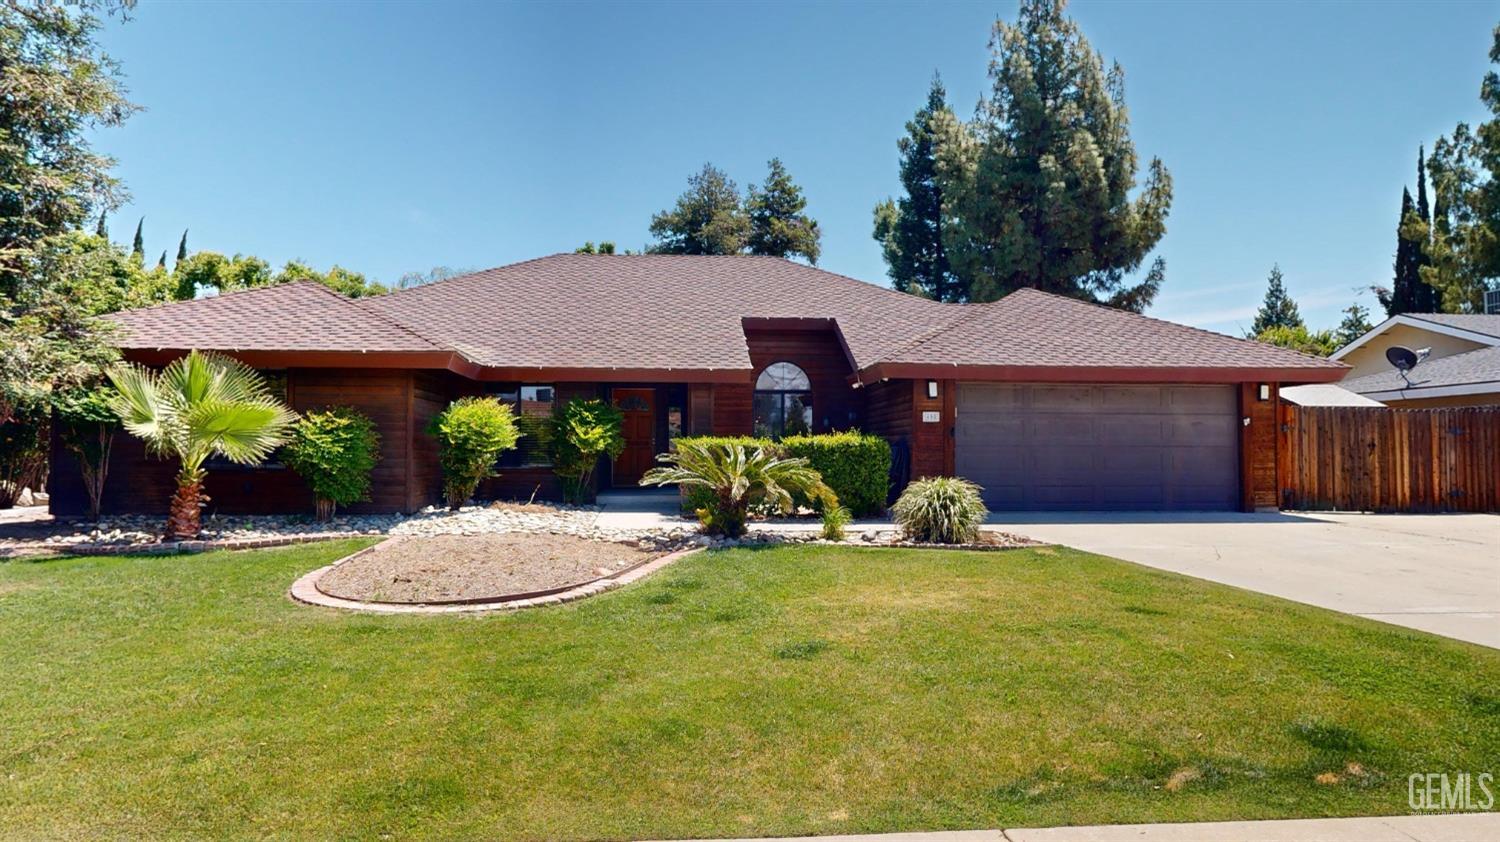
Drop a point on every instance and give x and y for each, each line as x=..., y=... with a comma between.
x=783, y=401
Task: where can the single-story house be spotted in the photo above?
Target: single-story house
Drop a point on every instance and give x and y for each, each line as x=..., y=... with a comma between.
x=1047, y=402
x=1462, y=367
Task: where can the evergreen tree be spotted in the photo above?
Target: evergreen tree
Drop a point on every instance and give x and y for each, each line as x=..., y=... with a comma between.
x=1422, y=209
x=778, y=225
x=138, y=247
x=101, y=230
x=1278, y=310
x=1356, y=323
x=161, y=262
x=182, y=247
x=910, y=230
x=707, y=219
x=1040, y=185
x=605, y=247
x=1408, y=292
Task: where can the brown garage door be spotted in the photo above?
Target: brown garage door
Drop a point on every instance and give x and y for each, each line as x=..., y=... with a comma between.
x=1103, y=447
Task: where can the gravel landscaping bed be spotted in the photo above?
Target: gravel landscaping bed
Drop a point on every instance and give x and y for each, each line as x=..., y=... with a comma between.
x=451, y=568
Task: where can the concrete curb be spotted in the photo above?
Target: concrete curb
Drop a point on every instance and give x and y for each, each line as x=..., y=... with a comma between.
x=305, y=590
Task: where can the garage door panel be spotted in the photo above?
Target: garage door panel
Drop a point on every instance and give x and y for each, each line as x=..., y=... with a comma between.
x=1059, y=399
x=1132, y=430
x=1066, y=446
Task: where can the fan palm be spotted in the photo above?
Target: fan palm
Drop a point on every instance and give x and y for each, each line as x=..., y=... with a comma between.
x=198, y=406
x=738, y=479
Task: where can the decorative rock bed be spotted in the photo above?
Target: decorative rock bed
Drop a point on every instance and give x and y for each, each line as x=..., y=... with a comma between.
x=320, y=587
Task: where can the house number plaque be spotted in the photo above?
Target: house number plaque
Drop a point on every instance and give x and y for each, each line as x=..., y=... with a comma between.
x=931, y=417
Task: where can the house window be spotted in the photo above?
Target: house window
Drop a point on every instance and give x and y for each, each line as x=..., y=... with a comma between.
x=276, y=387
x=783, y=401
x=532, y=406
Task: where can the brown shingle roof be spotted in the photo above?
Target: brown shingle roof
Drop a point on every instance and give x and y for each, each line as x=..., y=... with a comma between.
x=1029, y=328
x=662, y=312
x=299, y=316
x=649, y=311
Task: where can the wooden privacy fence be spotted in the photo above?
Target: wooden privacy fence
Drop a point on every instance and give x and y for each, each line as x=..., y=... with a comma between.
x=1349, y=458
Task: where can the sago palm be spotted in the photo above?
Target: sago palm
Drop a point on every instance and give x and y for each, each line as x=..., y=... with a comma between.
x=198, y=406
x=739, y=478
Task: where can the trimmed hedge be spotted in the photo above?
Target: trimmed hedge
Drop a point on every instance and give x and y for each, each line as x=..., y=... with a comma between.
x=857, y=466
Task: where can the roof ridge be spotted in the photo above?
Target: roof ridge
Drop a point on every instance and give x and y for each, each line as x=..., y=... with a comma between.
x=362, y=304
x=977, y=309
x=466, y=275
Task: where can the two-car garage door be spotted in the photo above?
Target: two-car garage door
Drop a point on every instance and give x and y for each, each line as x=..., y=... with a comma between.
x=1122, y=447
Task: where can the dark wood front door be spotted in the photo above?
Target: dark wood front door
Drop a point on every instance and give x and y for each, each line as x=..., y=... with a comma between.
x=639, y=408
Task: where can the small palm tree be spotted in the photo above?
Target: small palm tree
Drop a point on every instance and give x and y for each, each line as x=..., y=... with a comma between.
x=198, y=406
x=738, y=479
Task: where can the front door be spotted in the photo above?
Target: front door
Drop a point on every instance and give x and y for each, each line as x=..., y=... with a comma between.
x=639, y=408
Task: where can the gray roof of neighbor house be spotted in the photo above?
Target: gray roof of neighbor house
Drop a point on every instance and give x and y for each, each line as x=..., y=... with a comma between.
x=657, y=313
x=1469, y=369
x=1487, y=324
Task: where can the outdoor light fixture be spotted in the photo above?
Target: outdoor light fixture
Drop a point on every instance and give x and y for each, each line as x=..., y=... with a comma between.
x=932, y=388
x=1265, y=391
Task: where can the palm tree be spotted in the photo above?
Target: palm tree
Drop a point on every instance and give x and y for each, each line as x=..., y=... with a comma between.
x=198, y=406
x=739, y=479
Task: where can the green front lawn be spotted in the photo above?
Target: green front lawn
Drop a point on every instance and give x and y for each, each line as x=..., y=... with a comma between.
x=793, y=690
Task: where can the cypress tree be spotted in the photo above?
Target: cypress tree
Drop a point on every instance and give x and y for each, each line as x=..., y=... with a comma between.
x=182, y=247
x=138, y=248
x=910, y=230
x=1408, y=292
x=102, y=229
x=1278, y=310
x=161, y=262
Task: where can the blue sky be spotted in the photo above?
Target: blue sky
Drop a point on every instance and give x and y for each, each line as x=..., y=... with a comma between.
x=390, y=137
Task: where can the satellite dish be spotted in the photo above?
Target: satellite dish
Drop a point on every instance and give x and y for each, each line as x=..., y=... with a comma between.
x=1403, y=358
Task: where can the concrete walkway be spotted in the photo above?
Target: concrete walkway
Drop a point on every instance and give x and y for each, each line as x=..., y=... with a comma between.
x=1465, y=827
x=1437, y=573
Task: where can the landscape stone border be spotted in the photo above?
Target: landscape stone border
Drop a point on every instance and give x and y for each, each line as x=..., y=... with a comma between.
x=173, y=547
x=305, y=590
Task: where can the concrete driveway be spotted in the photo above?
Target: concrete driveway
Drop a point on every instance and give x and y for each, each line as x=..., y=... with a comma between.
x=1438, y=573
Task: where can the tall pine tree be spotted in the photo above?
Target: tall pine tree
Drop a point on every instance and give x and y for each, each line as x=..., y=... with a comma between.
x=1041, y=183
x=1278, y=310
x=910, y=229
x=778, y=225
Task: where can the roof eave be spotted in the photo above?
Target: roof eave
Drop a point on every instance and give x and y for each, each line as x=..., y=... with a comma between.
x=1104, y=374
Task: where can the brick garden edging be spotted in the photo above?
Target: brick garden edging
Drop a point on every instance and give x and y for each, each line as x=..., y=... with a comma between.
x=305, y=590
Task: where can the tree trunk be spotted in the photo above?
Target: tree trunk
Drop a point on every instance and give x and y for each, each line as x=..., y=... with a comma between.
x=325, y=509
x=184, y=518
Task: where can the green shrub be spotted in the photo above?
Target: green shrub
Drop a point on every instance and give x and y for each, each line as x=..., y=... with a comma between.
x=736, y=479
x=857, y=466
x=940, y=510
x=334, y=451
x=835, y=521
x=584, y=430
x=471, y=434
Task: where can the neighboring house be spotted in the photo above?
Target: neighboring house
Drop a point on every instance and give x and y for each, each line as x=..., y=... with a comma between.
x=1461, y=369
x=1047, y=402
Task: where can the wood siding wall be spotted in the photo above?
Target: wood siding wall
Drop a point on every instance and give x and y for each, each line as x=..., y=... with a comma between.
x=836, y=403
x=140, y=483
x=1258, y=443
x=731, y=409
x=1390, y=460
